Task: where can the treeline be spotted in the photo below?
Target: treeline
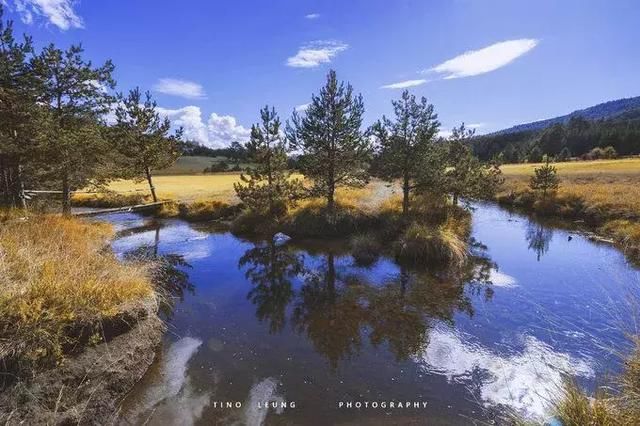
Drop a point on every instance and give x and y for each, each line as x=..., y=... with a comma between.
x=235, y=152
x=336, y=151
x=577, y=138
x=54, y=132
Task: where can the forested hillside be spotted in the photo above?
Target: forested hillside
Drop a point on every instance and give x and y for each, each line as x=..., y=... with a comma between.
x=583, y=133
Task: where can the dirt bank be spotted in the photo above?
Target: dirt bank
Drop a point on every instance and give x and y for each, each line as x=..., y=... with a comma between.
x=86, y=389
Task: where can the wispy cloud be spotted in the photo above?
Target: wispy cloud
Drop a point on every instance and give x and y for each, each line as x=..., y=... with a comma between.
x=58, y=12
x=315, y=53
x=312, y=16
x=302, y=107
x=183, y=88
x=404, y=84
x=476, y=125
x=487, y=59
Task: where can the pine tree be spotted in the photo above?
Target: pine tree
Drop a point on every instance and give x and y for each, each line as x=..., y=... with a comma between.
x=19, y=113
x=77, y=95
x=405, y=142
x=465, y=176
x=143, y=137
x=267, y=186
x=335, y=151
x=545, y=179
x=565, y=154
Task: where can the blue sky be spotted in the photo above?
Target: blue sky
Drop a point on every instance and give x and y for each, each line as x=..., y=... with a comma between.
x=212, y=64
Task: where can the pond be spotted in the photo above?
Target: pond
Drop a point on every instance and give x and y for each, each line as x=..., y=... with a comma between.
x=302, y=329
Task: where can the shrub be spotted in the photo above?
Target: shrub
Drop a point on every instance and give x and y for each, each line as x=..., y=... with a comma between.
x=313, y=220
x=201, y=210
x=365, y=249
x=425, y=245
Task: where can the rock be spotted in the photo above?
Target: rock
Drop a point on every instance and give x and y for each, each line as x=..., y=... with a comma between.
x=281, y=238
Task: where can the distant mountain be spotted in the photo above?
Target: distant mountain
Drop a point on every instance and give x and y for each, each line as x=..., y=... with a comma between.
x=606, y=110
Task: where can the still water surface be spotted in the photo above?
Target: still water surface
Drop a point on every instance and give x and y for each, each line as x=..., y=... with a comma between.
x=302, y=324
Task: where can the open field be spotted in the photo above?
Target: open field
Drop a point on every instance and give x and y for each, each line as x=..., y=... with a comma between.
x=217, y=186
x=612, y=183
x=189, y=165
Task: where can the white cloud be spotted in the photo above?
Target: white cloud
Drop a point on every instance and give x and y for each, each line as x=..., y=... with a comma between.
x=302, y=107
x=318, y=52
x=312, y=16
x=475, y=125
x=223, y=129
x=404, y=84
x=487, y=59
x=59, y=12
x=183, y=88
x=190, y=118
x=525, y=381
x=219, y=130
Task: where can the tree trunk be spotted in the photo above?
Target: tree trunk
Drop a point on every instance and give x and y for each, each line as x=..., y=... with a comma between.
x=331, y=203
x=22, y=199
x=66, y=194
x=405, y=197
x=151, y=187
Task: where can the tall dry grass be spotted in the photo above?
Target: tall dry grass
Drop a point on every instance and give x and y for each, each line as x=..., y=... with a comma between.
x=57, y=275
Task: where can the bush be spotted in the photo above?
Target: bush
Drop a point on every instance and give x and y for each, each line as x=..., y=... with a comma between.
x=314, y=221
x=365, y=249
x=424, y=245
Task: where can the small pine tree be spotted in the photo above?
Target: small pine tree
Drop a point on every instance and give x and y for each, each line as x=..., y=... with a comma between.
x=144, y=137
x=267, y=186
x=545, y=179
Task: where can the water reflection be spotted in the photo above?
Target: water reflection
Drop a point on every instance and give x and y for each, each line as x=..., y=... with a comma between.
x=271, y=269
x=335, y=308
x=538, y=237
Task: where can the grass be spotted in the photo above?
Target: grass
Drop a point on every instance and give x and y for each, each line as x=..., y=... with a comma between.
x=445, y=244
x=605, y=194
x=365, y=248
x=56, y=277
x=110, y=199
x=610, y=405
x=199, y=210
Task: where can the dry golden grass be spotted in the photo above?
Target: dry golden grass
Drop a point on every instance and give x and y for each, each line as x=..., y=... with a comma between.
x=218, y=187
x=611, y=183
x=55, y=273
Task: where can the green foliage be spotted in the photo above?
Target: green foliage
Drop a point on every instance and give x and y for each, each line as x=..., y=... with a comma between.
x=545, y=179
x=267, y=187
x=143, y=137
x=406, y=143
x=535, y=154
x=19, y=112
x=455, y=171
x=335, y=152
x=77, y=97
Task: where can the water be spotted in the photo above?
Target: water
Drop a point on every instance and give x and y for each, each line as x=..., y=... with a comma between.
x=302, y=328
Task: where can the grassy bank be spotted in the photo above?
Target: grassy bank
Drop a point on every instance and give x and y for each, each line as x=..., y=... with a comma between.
x=605, y=195
x=616, y=404
x=58, y=284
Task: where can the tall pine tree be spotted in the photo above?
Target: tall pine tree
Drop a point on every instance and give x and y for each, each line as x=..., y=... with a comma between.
x=406, y=142
x=334, y=150
x=77, y=94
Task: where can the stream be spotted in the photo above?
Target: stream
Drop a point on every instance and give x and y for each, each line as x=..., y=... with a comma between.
x=300, y=333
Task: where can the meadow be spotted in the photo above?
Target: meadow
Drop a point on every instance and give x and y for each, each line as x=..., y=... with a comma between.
x=613, y=184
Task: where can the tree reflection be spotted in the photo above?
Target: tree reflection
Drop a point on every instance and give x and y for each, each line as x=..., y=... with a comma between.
x=538, y=237
x=271, y=269
x=330, y=311
x=169, y=273
x=336, y=309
